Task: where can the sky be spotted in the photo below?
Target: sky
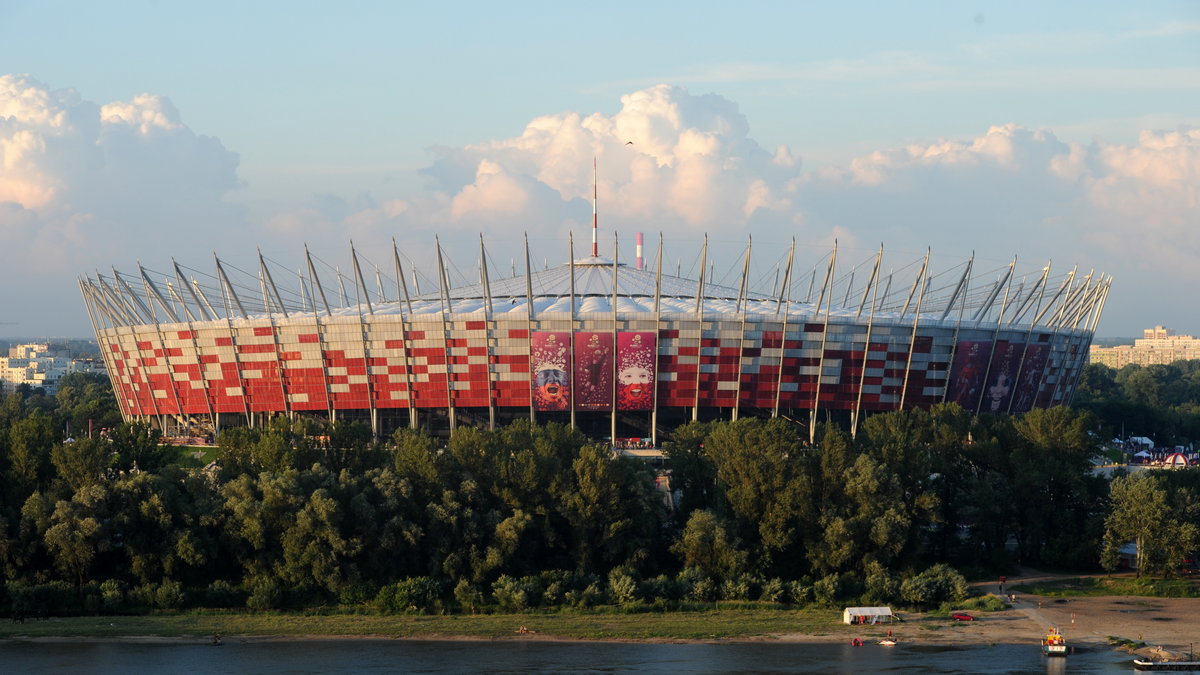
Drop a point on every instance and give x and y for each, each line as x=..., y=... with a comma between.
x=1061, y=132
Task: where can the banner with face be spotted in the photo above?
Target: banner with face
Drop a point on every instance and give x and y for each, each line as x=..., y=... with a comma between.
x=549, y=357
x=637, y=354
x=593, y=376
x=967, y=373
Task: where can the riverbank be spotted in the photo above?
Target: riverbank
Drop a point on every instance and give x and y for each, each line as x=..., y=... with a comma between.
x=1089, y=622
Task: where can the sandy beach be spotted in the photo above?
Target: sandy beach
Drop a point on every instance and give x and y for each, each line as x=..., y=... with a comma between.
x=1166, y=625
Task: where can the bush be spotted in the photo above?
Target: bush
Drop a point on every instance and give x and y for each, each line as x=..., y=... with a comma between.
x=938, y=584
x=468, y=596
x=169, y=595
x=881, y=585
x=665, y=589
x=827, y=590
x=555, y=585
x=704, y=590
x=221, y=593
x=799, y=592
x=357, y=594
x=112, y=595
x=623, y=587
x=589, y=596
x=38, y=599
x=773, y=590
x=265, y=594
x=510, y=594
x=417, y=595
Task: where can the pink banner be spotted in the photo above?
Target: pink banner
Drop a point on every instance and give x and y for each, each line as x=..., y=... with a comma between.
x=637, y=354
x=999, y=391
x=549, y=358
x=1030, y=378
x=967, y=373
x=593, y=377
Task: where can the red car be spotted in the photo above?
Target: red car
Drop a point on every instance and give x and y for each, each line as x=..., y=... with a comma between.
x=962, y=616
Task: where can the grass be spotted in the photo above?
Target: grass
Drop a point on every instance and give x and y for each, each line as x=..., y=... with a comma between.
x=1125, y=643
x=1101, y=586
x=716, y=624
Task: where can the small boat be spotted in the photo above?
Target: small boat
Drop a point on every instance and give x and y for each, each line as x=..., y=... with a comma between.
x=1185, y=666
x=887, y=642
x=1054, y=644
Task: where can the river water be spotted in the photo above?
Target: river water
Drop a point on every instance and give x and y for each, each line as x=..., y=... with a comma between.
x=510, y=656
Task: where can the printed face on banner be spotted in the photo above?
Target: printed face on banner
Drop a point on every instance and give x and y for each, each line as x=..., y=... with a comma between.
x=636, y=356
x=967, y=373
x=1031, y=377
x=593, y=371
x=1005, y=361
x=549, y=355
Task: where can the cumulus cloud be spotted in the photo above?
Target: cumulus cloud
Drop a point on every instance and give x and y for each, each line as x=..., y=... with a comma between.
x=86, y=185
x=682, y=163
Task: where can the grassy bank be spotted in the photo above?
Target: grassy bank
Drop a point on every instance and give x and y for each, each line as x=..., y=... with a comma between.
x=585, y=626
x=1101, y=586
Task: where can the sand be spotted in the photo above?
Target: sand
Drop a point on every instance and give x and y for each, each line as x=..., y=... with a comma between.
x=1168, y=626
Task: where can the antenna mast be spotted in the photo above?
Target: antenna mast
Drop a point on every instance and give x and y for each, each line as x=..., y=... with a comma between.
x=595, y=193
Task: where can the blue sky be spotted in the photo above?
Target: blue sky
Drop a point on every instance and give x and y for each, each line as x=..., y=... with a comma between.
x=281, y=121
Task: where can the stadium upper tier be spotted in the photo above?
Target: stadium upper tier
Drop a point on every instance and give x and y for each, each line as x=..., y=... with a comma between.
x=588, y=336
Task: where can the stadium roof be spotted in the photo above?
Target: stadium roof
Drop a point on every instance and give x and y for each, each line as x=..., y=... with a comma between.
x=958, y=294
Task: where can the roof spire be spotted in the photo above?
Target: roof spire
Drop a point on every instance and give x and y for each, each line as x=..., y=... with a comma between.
x=595, y=193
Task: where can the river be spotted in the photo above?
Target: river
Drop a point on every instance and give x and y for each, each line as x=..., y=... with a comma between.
x=511, y=656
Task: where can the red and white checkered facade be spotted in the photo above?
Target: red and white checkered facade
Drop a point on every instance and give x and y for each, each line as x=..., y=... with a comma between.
x=386, y=362
x=469, y=348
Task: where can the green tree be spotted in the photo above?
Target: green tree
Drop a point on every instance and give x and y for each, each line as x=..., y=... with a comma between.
x=692, y=472
x=706, y=545
x=1141, y=513
x=81, y=462
x=77, y=534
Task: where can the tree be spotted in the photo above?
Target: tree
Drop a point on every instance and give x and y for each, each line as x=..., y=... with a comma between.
x=760, y=467
x=705, y=545
x=81, y=462
x=1141, y=513
x=29, y=444
x=76, y=534
x=138, y=445
x=692, y=472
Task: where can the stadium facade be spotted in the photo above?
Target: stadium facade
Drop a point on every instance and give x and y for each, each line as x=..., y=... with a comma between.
x=622, y=351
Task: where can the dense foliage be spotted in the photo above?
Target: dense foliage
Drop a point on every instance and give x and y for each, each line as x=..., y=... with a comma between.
x=296, y=514
x=1161, y=402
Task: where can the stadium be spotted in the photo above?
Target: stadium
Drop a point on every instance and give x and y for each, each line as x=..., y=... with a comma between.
x=622, y=351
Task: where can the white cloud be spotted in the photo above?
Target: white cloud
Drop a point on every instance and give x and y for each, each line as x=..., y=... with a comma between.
x=692, y=167
x=86, y=185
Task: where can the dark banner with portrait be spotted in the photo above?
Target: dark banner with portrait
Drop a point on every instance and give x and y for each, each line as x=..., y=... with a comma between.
x=999, y=391
x=967, y=373
x=637, y=354
x=1030, y=378
x=550, y=358
x=593, y=377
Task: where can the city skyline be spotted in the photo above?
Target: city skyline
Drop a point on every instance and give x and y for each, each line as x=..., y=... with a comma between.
x=153, y=131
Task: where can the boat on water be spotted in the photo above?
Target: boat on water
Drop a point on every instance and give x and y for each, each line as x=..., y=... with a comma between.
x=887, y=642
x=1054, y=644
x=1177, y=666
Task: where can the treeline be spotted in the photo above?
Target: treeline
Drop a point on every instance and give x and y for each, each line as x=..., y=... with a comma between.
x=299, y=515
x=1161, y=402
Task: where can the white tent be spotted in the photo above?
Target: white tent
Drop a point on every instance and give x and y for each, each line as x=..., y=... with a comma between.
x=852, y=615
x=1141, y=453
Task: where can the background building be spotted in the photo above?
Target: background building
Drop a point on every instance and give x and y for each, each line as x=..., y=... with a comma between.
x=1157, y=345
x=40, y=365
x=620, y=351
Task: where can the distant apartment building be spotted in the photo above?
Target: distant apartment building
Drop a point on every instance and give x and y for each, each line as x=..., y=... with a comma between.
x=1157, y=345
x=41, y=365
